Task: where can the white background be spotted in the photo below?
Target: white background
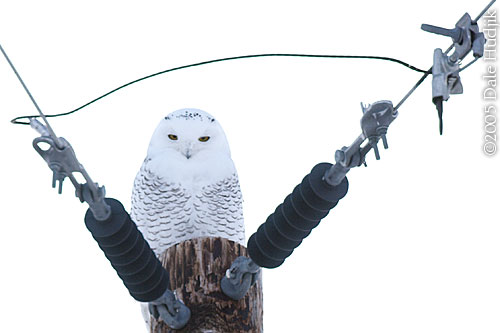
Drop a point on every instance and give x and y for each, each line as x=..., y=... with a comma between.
x=413, y=247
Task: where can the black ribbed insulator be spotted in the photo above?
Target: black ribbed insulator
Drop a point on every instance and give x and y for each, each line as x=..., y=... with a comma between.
x=293, y=220
x=129, y=253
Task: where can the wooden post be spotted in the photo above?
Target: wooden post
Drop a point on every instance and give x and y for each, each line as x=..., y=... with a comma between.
x=195, y=268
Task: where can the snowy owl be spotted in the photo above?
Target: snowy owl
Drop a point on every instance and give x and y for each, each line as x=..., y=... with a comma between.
x=187, y=186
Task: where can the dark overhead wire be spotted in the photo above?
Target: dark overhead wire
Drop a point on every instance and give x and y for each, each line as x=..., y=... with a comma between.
x=17, y=120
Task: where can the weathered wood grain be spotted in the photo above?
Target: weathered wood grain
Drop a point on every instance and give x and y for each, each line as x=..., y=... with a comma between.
x=195, y=268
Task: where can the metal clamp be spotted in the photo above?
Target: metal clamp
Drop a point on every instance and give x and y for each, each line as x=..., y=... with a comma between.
x=445, y=77
x=375, y=121
x=62, y=160
x=374, y=124
x=239, y=278
x=170, y=309
x=445, y=69
x=445, y=81
x=465, y=36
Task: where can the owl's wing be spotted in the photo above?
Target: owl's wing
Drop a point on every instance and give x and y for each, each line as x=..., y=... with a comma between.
x=219, y=209
x=160, y=211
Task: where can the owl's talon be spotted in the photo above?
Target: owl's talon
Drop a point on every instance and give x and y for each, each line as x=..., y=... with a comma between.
x=239, y=278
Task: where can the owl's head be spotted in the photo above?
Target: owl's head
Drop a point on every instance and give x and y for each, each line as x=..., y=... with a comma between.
x=188, y=134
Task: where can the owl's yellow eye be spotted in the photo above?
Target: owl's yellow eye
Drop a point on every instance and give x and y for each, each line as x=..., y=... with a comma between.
x=204, y=138
x=172, y=137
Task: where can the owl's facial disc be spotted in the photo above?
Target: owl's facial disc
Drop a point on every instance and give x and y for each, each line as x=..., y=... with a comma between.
x=192, y=133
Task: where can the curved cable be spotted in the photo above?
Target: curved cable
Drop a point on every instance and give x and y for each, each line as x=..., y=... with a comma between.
x=17, y=120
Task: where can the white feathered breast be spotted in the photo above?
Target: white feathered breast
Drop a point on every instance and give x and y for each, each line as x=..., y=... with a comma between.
x=168, y=213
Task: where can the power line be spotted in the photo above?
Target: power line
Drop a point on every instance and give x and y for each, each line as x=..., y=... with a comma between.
x=17, y=119
x=419, y=82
